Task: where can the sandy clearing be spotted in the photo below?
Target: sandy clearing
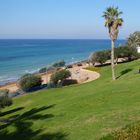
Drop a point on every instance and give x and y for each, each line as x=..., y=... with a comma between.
x=82, y=75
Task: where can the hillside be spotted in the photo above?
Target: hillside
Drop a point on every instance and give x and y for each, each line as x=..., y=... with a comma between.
x=80, y=112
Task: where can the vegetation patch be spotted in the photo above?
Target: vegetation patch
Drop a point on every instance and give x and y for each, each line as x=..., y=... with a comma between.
x=130, y=132
x=60, y=76
x=5, y=100
x=29, y=81
x=97, y=69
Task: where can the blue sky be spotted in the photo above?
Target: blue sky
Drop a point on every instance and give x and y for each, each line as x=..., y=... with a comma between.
x=62, y=19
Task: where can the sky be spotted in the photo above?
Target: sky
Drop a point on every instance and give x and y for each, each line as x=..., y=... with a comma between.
x=64, y=19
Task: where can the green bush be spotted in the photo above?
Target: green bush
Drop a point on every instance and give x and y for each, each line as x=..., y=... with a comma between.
x=60, y=63
x=4, y=99
x=50, y=68
x=43, y=70
x=133, y=40
x=93, y=58
x=125, y=51
x=121, y=52
x=69, y=66
x=100, y=56
x=79, y=64
x=60, y=76
x=29, y=81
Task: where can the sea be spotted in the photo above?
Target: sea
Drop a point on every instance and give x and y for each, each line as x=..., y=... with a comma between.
x=20, y=56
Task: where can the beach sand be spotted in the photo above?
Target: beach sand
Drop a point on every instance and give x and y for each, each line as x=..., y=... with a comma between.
x=78, y=73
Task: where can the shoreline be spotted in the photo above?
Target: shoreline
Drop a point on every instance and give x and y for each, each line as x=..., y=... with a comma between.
x=37, y=72
x=13, y=86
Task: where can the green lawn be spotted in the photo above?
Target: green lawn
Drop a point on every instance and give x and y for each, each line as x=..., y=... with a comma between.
x=80, y=112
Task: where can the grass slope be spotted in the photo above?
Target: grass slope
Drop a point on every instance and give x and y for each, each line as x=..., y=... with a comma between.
x=80, y=112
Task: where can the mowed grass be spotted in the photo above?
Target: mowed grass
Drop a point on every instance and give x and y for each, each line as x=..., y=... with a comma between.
x=79, y=112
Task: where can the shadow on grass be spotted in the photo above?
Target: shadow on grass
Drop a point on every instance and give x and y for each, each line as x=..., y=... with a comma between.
x=11, y=111
x=24, y=132
x=124, y=72
x=22, y=124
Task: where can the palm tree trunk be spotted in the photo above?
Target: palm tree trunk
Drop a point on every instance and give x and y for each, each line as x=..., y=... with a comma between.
x=112, y=60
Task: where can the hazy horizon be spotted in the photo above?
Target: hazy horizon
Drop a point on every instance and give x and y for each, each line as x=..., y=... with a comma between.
x=56, y=39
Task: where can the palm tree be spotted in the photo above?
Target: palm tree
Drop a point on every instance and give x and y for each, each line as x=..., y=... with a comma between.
x=133, y=40
x=113, y=22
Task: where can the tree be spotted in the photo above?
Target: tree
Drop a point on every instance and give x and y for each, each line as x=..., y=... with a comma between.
x=125, y=51
x=60, y=76
x=60, y=63
x=133, y=40
x=43, y=70
x=100, y=56
x=4, y=99
x=29, y=81
x=93, y=58
x=113, y=22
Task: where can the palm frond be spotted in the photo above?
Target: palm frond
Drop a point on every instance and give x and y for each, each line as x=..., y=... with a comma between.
x=112, y=14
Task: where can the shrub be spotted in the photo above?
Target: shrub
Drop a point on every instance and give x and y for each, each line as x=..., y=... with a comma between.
x=69, y=66
x=79, y=64
x=4, y=99
x=100, y=56
x=60, y=76
x=93, y=58
x=125, y=51
x=60, y=63
x=133, y=40
x=132, y=53
x=103, y=56
x=26, y=75
x=29, y=81
x=43, y=70
x=130, y=132
x=50, y=68
x=120, y=52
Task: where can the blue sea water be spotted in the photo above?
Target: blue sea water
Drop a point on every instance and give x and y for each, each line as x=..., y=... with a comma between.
x=18, y=57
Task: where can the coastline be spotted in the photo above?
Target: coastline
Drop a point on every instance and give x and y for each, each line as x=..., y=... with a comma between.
x=79, y=73
x=13, y=86
x=36, y=72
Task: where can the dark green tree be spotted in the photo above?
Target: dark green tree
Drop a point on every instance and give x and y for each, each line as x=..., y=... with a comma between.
x=29, y=81
x=60, y=76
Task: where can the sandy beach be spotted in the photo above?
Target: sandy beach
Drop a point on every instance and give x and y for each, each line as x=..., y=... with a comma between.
x=77, y=72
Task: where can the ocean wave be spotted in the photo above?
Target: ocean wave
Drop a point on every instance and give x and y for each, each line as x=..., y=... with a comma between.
x=7, y=79
x=30, y=45
x=12, y=78
x=34, y=45
x=32, y=71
